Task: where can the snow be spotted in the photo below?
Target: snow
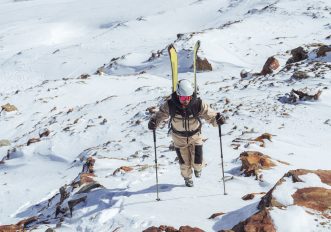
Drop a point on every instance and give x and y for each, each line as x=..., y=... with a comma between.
x=45, y=45
x=283, y=193
x=294, y=218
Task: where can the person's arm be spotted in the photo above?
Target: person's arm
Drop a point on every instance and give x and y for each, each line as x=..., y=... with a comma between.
x=159, y=116
x=210, y=115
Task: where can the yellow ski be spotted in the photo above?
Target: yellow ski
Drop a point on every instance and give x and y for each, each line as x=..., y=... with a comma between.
x=174, y=66
x=195, y=54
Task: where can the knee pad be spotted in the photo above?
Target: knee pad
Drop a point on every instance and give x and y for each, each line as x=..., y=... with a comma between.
x=198, y=154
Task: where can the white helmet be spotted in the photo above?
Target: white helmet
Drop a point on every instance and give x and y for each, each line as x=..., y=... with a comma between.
x=184, y=88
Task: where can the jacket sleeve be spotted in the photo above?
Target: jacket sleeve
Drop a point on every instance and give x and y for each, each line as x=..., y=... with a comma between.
x=208, y=114
x=162, y=114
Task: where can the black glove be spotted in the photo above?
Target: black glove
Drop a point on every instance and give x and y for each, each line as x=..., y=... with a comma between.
x=152, y=124
x=220, y=120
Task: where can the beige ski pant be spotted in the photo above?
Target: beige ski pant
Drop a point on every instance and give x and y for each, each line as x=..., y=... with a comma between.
x=189, y=153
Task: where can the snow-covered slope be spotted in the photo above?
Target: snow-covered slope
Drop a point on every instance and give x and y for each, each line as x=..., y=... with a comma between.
x=46, y=45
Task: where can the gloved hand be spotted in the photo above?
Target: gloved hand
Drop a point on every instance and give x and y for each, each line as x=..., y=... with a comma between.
x=220, y=119
x=152, y=124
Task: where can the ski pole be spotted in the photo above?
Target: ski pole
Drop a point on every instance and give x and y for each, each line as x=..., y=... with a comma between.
x=157, y=178
x=220, y=134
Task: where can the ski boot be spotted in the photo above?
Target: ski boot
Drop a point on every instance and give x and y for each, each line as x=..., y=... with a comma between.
x=197, y=173
x=188, y=182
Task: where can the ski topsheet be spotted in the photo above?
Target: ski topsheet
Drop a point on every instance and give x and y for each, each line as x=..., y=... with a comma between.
x=195, y=53
x=174, y=66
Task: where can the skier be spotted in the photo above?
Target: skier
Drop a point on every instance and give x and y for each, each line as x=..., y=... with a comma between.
x=185, y=111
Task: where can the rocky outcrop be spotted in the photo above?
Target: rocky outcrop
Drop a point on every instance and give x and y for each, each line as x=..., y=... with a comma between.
x=253, y=162
x=325, y=176
x=298, y=54
x=164, y=228
x=314, y=200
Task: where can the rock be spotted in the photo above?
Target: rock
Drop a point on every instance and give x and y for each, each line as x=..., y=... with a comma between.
x=253, y=162
x=300, y=75
x=164, y=228
x=298, y=54
x=101, y=71
x=316, y=198
x=4, y=143
x=307, y=94
x=45, y=133
x=50, y=230
x=262, y=137
x=247, y=74
x=304, y=94
x=260, y=222
x=88, y=187
x=84, y=76
x=86, y=178
x=214, y=215
x=18, y=227
x=124, y=169
x=8, y=108
x=247, y=197
x=323, y=50
x=88, y=167
x=270, y=65
x=73, y=203
x=33, y=140
x=203, y=65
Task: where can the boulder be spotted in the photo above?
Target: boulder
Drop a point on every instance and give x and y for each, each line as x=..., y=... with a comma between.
x=8, y=108
x=323, y=50
x=298, y=54
x=253, y=162
x=270, y=65
x=203, y=65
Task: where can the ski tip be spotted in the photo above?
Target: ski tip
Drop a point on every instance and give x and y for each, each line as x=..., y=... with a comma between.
x=171, y=46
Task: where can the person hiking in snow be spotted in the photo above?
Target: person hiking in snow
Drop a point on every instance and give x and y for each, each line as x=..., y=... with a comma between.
x=186, y=111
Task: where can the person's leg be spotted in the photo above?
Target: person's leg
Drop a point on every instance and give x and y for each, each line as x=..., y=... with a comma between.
x=197, y=159
x=184, y=158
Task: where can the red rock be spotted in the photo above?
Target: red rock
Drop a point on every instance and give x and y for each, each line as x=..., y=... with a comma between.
x=270, y=65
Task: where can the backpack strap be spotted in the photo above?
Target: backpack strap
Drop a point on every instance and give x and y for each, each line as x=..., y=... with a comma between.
x=193, y=108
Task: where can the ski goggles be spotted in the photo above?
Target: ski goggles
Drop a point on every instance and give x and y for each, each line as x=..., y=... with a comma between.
x=185, y=98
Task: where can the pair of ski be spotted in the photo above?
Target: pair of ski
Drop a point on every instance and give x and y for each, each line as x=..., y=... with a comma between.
x=174, y=65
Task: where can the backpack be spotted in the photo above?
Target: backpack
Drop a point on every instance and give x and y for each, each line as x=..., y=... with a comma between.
x=193, y=108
